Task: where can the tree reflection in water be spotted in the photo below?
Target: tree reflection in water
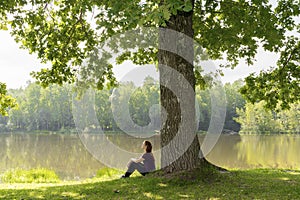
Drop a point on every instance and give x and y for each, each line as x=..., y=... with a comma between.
x=66, y=155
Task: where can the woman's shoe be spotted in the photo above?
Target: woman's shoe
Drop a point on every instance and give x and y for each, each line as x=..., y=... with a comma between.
x=127, y=174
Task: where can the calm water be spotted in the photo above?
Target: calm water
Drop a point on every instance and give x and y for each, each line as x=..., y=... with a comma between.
x=66, y=155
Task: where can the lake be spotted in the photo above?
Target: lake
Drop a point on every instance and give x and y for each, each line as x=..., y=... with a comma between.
x=67, y=156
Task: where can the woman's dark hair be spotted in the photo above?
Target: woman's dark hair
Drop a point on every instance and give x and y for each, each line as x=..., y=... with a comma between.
x=148, y=146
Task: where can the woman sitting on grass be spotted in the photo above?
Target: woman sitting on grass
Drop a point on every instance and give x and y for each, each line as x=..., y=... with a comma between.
x=144, y=164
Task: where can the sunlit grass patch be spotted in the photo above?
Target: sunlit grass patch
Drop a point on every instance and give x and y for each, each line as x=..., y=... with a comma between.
x=72, y=195
x=108, y=174
x=162, y=185
x=152, y=195
x=39, y=175
x=293, y=172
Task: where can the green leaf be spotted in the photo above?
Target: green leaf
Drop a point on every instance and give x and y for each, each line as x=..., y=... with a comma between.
x=166, y=14
x=188, y=6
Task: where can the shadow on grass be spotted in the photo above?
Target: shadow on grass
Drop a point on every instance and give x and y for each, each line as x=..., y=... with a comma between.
x=252, y=184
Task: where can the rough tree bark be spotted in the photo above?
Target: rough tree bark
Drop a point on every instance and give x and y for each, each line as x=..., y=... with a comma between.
x=173, y=109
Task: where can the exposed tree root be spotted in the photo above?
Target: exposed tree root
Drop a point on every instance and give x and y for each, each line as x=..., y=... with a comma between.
x=205, y=170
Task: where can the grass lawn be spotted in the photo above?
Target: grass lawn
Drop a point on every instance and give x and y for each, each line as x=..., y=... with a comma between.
x=235, y=184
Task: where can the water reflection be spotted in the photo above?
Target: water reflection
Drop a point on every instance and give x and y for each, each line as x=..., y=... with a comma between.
x=225, y=153
x=62, y=153
x=257, y=151
x=279, y=151
x=66, y=155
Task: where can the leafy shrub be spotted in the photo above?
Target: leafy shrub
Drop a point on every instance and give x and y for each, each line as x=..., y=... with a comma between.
x=30, y=176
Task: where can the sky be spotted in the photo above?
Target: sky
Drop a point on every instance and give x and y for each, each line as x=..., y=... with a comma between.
x=16, y=64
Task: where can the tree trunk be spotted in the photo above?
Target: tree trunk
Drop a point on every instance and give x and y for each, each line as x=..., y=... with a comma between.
x=179, y=142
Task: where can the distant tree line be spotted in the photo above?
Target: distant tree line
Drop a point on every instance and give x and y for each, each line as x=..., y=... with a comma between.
x=50, y=109
x=254, y=118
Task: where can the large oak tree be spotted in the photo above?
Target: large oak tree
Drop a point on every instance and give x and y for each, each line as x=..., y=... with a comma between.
x=61, y=32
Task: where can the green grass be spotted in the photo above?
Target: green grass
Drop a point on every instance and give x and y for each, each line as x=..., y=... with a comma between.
x=30, y=176
x=236, y=184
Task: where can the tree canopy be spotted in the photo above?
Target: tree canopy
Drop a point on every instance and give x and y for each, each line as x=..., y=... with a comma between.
x=64, y=32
